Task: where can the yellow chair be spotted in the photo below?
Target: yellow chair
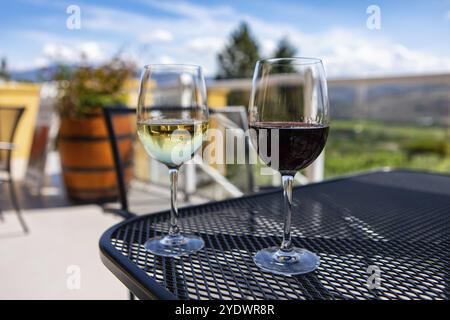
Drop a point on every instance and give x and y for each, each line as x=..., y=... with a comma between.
x=9, y=120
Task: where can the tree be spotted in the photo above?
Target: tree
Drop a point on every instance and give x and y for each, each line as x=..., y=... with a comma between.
x=292, y=94
x=284, y=50
x=4, y=74
x=238, y=58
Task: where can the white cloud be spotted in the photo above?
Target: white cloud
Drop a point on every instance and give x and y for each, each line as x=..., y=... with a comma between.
x=39, y=62
x=56, y=52
x=52, y=47
x=91, y=50
x=202, y=44
x=165, y=59
x=158, y=35
x=268, y=46
x=349, y=53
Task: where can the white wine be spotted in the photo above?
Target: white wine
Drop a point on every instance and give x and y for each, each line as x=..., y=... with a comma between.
x=171, y=141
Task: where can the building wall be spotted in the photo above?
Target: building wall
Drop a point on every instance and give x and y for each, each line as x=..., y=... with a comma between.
x=17, y=95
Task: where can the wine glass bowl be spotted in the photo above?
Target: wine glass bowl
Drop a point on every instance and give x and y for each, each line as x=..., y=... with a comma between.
x=289, y=123
x=172, y=118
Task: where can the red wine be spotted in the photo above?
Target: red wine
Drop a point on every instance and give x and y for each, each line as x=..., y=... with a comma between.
x=299, y=144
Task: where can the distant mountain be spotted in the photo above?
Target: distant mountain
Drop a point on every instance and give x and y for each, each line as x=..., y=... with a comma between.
x=35, y=75
x=47, y=73
x=417, y=103
x=43, y=74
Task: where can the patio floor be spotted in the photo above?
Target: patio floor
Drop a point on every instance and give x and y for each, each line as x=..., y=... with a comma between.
x=63, y=241
x=35, y=266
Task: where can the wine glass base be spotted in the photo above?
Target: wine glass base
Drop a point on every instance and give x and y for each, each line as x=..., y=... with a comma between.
x=174, y=246
x=296, y=261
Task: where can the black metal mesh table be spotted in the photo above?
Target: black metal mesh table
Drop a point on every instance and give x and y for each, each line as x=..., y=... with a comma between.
x=396, y=221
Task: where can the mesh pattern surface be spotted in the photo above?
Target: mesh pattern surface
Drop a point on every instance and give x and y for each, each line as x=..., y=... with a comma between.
x=396, y=221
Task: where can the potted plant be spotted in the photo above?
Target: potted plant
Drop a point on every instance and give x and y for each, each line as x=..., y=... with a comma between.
x=84, y=147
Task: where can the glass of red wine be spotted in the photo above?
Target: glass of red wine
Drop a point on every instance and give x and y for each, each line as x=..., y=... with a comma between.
x=289, y=121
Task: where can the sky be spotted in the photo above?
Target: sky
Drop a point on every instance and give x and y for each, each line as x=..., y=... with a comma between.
x=410, y=37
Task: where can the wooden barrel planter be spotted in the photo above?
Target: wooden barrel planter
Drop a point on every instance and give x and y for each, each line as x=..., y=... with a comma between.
x=86, y=157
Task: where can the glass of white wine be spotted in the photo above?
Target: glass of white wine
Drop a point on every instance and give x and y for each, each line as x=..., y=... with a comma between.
x=172, y=119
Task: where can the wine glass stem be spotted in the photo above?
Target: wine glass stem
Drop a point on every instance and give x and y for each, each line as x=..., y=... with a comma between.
x=174, y=230
x=287, y=181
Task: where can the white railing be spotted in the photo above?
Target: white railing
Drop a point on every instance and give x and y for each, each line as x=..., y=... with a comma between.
x=316, y=171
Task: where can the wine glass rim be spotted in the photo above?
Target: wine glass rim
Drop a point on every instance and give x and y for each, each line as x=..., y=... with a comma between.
x=293, y=60
x=171, y=65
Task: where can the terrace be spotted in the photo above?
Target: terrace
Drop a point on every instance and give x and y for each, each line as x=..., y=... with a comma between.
x=64, y=181
x=50, y=214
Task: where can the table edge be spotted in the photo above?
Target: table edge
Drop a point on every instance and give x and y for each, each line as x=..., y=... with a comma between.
x=134, y=278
